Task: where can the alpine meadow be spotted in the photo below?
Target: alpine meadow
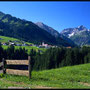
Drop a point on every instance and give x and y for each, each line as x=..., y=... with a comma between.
x=44, y=45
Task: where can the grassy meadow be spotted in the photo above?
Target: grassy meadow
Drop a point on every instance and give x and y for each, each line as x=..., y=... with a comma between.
x=5, y=39
x=70, y=77
x=28, y=48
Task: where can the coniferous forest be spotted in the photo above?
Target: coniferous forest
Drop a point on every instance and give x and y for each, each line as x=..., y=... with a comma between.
x=51, y=58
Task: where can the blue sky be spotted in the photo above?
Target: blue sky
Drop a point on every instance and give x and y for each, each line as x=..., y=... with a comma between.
x=57, y=14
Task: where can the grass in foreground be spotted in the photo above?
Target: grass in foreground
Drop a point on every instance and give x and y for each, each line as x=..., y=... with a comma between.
x=77, y=76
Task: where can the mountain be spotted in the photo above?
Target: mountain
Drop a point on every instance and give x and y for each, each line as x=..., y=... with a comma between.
x=54, y=32
x=27, y=31
x=48, y=29
x=24, y=30
x=80, y=35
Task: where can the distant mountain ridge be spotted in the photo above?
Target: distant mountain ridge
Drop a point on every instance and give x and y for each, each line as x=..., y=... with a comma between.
x=80, y=35
x=72, y=31
x=54, y=32
x=27, y=31
x=48, y=29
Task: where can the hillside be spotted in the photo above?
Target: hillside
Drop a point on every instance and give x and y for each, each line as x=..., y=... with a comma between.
x=4, y=39
x=27, y=31
x=71, y=77
x=48, y=29
x=55, y=33
x=24, y=30
x=18, y=43
x=82, y=38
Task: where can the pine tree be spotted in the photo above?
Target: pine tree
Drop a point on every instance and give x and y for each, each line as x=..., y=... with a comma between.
x=69, y=57
x=1, y=52
x=87, y=58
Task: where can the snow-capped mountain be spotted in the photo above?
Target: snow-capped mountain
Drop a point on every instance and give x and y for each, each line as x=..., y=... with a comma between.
x=80, y=35
x=73, y=31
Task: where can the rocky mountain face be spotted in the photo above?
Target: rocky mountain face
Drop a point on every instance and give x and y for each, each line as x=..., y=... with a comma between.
x=28, y=31
x=54, y=32
x=48, y=29
x=80, y=35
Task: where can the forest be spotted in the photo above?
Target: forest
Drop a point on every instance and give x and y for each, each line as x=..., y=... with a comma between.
x=51, y=58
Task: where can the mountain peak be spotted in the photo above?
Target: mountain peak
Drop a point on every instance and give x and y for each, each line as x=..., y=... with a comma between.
x=39, y=23
x=48, y=29
x=80, y=35
x=81, y=27
x=72, y=31
x=1, y=13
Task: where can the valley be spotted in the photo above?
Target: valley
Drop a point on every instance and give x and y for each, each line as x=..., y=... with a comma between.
x=44, y=45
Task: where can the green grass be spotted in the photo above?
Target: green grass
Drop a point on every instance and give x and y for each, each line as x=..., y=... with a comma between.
x=70, y=77
x=5, y=39
x=28, y=48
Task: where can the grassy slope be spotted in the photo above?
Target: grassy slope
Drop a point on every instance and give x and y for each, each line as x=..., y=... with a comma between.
x=77, y=76
x=5, y=39
x=27, y=48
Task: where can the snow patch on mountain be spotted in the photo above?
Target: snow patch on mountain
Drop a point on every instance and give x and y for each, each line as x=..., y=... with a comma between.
x=73, y=31
x=69, y=35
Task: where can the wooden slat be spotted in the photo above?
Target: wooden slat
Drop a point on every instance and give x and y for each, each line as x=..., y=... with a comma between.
x=1, y=64
x=1, y=68
x=1, y=71
x=17, y=62
x=29, y=66
x=17, y=72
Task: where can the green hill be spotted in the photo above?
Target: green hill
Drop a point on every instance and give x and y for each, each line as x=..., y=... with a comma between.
x=27, y=31
x=71, y=77
x=4, y=39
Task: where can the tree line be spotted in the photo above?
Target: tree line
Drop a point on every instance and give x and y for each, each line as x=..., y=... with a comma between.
x=60, y=57
x=51, y=58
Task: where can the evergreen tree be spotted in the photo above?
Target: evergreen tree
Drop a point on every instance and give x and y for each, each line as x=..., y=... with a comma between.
x=85, y=51
x=87, y=58
x=10, y=52
x=69, y=57
x=1, y=52
x=32, y=54
x=76, y=57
